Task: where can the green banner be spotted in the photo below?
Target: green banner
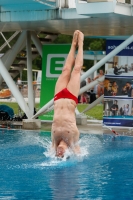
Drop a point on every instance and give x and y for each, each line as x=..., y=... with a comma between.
x=54, y=56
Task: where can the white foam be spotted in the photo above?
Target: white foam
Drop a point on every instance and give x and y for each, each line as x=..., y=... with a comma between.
x=69, y=155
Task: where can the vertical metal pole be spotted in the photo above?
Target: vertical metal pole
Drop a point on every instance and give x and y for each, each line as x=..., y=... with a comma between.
x=34, y=76
x=29, y=73
x=95, y=61
x=37, y=42
x=20, y=75
x=16, y=93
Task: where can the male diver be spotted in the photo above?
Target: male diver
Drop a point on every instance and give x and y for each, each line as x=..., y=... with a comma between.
x=65, y=133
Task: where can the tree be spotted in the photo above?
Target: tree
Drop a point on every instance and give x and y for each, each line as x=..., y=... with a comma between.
x=97, y=45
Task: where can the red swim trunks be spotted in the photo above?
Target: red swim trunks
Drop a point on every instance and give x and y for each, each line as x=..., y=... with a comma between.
x=65, y=94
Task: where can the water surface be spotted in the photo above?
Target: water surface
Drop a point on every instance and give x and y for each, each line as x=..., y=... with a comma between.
x=28, y=170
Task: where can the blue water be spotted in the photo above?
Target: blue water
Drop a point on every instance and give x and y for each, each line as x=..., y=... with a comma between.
x=29, y=171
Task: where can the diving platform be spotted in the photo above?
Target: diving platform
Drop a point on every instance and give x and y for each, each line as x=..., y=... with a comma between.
x=94, y=18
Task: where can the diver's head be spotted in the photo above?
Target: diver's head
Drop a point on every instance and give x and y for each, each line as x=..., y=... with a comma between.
x=61, y=149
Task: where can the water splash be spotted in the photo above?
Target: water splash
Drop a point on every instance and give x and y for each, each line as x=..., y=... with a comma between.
x=42, y=156
x=69, y=157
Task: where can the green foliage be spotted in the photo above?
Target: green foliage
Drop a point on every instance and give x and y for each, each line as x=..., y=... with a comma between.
x=97, y=45
x=88, y=64
x=24, y=75
x=89, y=43
x=63, y=39
x=94, y=45
x=37, y=63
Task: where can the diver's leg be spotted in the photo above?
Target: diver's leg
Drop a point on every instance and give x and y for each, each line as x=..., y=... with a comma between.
x=66, y=72
x=74, y=83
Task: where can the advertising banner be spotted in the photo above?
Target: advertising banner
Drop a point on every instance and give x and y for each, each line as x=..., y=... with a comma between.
x=118, y=87
x=54, y=56
x=112, y=44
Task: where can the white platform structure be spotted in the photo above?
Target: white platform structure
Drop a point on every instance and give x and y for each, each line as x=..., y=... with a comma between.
x=97, y=18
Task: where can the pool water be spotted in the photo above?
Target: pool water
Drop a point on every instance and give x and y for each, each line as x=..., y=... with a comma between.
x=28, y=170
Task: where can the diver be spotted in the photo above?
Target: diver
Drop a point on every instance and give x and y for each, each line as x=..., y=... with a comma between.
x=65, y=133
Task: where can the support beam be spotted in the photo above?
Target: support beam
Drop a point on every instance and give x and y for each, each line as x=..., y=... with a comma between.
x=95, y=61
x=12, y=86
x=37, y=42
x=91, y=84
x=31, y=97
x=12, y=53
x=21, y=42
x=99, y=100
x=44, y=108
x=9, y=40
x=5, y=56
x=5, y=39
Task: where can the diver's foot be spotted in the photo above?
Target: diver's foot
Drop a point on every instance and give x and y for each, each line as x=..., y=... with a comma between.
x=75, y=38
x=80, y=38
